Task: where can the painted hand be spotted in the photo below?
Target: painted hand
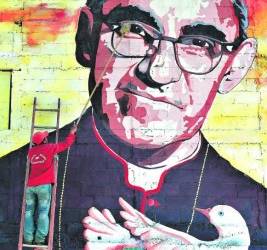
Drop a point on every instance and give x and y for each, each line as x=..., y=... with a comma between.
x=102, y=232
x=153, y=235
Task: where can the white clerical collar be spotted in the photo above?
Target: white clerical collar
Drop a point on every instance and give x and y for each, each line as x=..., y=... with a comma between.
x=147, y=177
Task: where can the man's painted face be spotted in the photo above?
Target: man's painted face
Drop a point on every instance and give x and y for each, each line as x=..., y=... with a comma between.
x=157, y=88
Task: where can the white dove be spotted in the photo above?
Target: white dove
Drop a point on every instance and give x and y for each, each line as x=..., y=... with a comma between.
x=231, y=227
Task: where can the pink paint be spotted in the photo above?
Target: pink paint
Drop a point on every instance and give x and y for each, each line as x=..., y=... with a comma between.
x=153, y=203
x=227, y=13
x=111, y=4
x=86, y=56
x=205, y=212
x=89, y=14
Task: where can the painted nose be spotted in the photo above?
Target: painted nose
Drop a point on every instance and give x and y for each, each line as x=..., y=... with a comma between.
x=159, y=68
x=164, y=69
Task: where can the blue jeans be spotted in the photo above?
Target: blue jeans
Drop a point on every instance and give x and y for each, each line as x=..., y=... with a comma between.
x=41, y=196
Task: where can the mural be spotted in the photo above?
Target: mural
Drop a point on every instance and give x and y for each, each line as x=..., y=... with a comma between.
x=145, y=168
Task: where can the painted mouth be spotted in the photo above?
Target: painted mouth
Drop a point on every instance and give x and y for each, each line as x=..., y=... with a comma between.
x=132, y=89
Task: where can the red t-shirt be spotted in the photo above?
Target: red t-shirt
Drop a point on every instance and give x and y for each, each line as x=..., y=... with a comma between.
x=42, y=161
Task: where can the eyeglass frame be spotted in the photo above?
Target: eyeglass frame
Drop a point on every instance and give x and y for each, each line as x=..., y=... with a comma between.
x=235, y=44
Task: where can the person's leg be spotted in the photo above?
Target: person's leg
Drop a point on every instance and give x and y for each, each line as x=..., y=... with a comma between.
x=29, y=213
x=44, y=200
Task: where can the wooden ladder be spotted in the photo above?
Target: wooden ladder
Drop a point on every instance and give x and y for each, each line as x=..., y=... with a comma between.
x=49, y=246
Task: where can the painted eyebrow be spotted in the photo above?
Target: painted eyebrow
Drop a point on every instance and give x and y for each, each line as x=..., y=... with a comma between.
x=131, y=13
x=204, y=30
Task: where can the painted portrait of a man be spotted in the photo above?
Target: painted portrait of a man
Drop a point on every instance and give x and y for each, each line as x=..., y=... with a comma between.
x=141, y=174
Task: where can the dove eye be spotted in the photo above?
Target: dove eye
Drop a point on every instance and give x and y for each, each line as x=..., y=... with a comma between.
x=221, y=213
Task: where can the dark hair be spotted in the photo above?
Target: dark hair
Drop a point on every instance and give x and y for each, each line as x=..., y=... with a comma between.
x=87, y=38
x=241, y=12
x=240, y=9
x=95, y=5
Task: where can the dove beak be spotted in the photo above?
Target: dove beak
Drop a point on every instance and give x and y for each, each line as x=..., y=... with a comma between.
x=205, y=212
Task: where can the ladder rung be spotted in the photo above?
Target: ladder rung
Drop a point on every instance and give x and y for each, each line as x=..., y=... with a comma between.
x=47, y=110
x=45, y=127
x=33, y=246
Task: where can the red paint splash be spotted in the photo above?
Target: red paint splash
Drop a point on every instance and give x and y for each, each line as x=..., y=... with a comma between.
x=257, y=17
x=39, y=23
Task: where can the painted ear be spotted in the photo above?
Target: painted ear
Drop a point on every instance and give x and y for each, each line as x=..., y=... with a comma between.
x=240, y=65
x=84, y=37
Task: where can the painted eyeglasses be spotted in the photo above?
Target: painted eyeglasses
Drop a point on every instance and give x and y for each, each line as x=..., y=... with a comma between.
x=196, y=54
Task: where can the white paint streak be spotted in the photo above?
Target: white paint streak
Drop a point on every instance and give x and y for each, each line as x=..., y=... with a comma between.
x=188, y=8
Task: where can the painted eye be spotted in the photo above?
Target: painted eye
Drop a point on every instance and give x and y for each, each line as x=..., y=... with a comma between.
x=134, y=29
x=202, y=43
x=137, y=30
x=199, y=42
x=221, y=213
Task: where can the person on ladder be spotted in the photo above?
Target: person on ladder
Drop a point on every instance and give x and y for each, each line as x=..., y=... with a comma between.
x=39, y=186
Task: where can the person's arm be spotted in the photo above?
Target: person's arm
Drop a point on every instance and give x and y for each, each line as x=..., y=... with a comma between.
x=61, y=146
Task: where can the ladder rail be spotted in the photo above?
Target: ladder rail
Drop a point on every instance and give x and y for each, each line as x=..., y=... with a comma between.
x=54, y=189
x=53, y=208
x=22, y=220
x=58, y=117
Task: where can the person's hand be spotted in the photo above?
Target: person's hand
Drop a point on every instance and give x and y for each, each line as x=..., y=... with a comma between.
x=73, y=129
x=102, y=232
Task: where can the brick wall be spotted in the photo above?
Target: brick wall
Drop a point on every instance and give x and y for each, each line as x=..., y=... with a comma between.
x=42, y=64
